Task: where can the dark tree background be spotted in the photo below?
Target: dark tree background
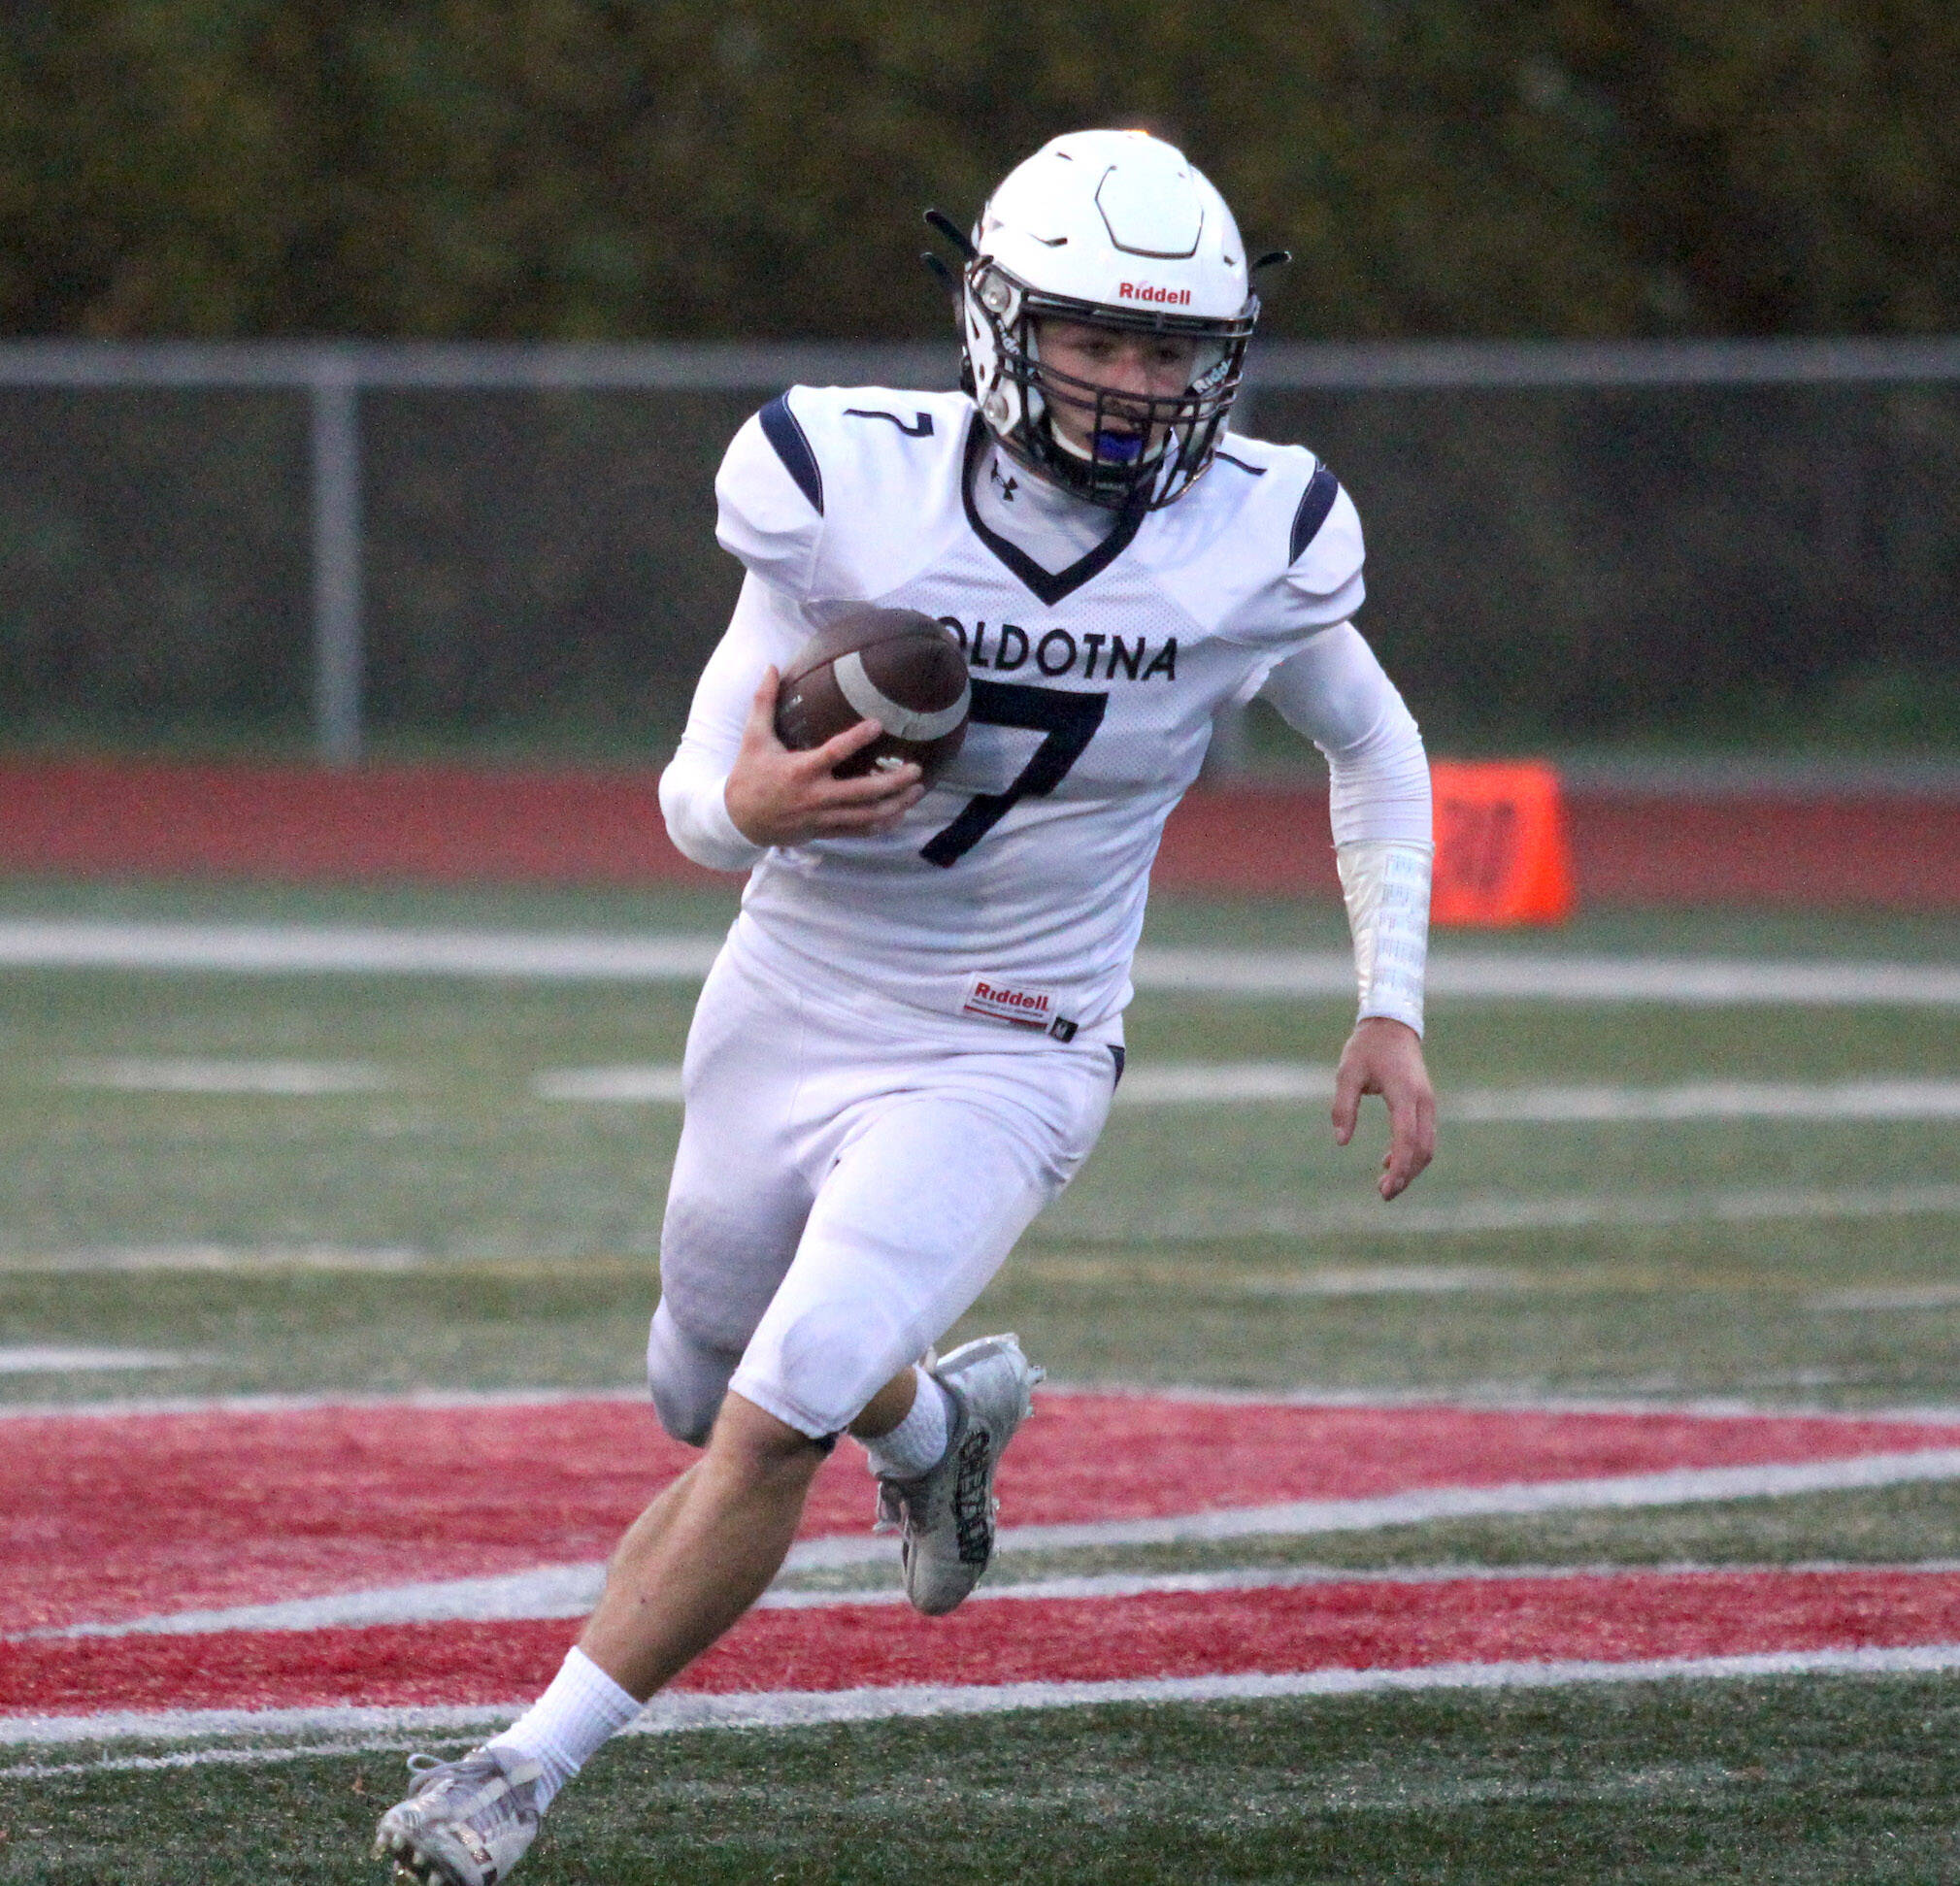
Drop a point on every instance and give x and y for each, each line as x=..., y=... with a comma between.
x=1774, y=564
x=565, y=168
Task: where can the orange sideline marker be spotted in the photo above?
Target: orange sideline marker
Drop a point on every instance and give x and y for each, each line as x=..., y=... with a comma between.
x=1503, y=855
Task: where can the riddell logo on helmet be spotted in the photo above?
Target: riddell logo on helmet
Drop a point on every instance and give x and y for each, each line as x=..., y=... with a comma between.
x=1147, y=291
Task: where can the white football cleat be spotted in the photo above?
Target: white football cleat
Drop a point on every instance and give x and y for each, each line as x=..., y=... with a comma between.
x=945, y=1517
x=466, y=1823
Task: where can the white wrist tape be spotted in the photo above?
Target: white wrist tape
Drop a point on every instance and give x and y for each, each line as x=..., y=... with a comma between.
x=1386, y=884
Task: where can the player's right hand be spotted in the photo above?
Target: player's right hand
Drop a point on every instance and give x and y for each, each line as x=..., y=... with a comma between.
x=777, y=796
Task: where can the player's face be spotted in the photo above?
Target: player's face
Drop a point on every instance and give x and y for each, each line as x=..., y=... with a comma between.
x=1116, y=361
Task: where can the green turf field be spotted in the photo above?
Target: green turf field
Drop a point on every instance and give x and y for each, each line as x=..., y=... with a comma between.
x=438, y=1223
x=1795, y=1782
x=449, y=1226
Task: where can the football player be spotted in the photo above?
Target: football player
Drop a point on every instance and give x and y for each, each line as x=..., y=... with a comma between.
x=909, y=1040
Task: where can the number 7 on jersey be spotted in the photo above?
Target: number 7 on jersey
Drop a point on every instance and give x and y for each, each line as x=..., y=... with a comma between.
x=1069, y=721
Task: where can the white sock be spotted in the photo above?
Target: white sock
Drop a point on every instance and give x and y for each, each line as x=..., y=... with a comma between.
x=919, y=1443
x=562, y=1731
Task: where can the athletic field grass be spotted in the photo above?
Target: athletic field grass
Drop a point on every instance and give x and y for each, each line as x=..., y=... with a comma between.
x=1663, y=1238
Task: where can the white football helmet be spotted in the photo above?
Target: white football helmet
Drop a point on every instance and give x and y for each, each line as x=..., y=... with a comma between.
x=1113, y=229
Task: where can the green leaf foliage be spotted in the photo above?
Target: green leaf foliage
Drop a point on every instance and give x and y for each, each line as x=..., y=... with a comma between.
x=577, y=169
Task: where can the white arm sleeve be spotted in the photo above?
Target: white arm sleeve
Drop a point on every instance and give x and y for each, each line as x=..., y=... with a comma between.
x=1335, y=692
x=766, y=627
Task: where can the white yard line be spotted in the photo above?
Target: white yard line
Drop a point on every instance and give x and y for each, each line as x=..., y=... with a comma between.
x=48, y=1359
x=655, y=1085
x=1166, y=1085
x=360, y=1730
x=1557, y=976
x=124, y=1407
x=547, y=1591
x=184, y=1725
x=1194, y=1083
x=570, y=1590
x=1470, y=1279
x=188, y=1077
x=1297, y=1518
x=1510, y=1397
x=1264, y=975
x=1709, y=1100
x=1230, y=1082
x=1202, y=1083
x=1482, y=1398
x=311, y=949
x=1352, y=1280
x=1930, y=1296
x=116, y=1260
x=1227, y=1217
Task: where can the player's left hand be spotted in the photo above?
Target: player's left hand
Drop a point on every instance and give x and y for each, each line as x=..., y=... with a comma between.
x=1385, y=1057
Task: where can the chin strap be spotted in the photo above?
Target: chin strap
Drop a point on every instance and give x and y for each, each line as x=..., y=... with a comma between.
x=1386, y=883
x=943, y=272
x=953, y=233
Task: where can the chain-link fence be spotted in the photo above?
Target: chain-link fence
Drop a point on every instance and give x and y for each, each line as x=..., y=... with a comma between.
x=1566, y=542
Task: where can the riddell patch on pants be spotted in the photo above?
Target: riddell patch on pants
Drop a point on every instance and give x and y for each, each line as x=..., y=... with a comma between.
x=1006, y=1001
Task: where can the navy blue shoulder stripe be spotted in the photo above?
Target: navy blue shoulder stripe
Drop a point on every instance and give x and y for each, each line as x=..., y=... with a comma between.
x=780, y=428
x=1315, y=502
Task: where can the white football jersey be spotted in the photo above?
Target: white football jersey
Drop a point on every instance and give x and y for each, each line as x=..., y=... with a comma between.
x=1014, y=890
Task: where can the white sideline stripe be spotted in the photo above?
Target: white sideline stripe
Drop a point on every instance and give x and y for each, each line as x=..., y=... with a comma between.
x=306, y=949
x=1491, y=975
x=118, y=1259
x=41, y=1359
x=652, y=1084
x=1263, y=975
x=1442, y=1279
x=1239, y=1083
x=1677, y=1486
x=548, y=1591
x=165, y=1077
x=1496, y=1397
x=572, y=1590
x=1932, y=1296
x=123, y=1406
x=1508, y=1398
x=1206, y=1082
x=1225, y=1218
x=359, y=1731
x=1226, y=1081
x=1296, y=1519
x=1709, y=1099
x=1377, y=1280
x=1223, y=1221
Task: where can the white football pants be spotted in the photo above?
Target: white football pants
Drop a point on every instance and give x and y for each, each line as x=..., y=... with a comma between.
x=848, y=1180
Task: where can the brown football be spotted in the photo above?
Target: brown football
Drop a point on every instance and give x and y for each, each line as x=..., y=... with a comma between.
x=894, y=665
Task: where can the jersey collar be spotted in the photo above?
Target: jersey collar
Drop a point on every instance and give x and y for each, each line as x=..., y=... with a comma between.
x=1050, y=585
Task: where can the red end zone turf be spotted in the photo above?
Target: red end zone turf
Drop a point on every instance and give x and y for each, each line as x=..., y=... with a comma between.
x=114, y=1516
x=117, y=1516
x=1387, y=1625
